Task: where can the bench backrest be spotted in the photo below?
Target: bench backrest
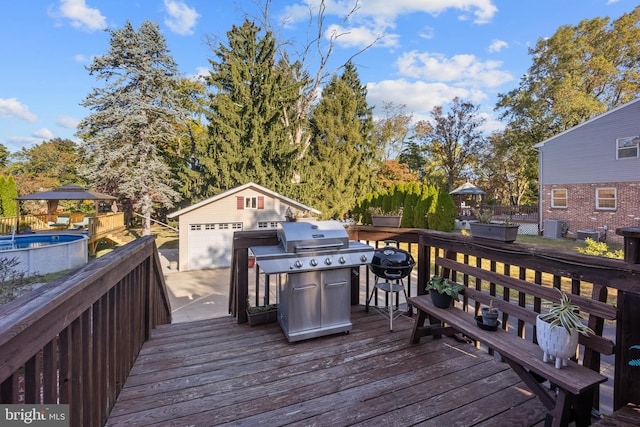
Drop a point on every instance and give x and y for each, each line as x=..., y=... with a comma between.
x=520, y=301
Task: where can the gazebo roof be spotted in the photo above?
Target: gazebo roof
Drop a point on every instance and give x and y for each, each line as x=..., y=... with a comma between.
x=467, y=188
x=67, y=192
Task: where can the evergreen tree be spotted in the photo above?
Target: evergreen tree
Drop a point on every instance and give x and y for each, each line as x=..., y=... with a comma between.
x=8, y=194
x=132, y=117
x=248, y=141
x=340, y=155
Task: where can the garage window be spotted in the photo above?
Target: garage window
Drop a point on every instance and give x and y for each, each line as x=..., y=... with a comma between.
x=268, y=224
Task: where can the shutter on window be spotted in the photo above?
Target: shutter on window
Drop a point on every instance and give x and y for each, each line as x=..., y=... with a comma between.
x=240, y=202
x=260, y=202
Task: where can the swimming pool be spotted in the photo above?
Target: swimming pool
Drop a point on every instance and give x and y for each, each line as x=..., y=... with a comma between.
x=46, y=253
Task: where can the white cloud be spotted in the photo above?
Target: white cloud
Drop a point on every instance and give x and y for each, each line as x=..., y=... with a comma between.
x=43, y=133
x=360, y=37
x=497, y=45
x=419, y=97
x=67, y=122
x=81, y=15
x=181, y=18
x=427, y=33
x=11, y=107
x=375, y=18
x=482, y=10
x=465, y=70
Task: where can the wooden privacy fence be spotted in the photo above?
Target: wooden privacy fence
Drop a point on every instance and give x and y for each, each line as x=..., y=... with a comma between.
x=74, y=340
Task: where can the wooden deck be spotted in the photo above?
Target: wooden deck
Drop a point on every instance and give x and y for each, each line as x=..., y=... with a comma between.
x=215, y=372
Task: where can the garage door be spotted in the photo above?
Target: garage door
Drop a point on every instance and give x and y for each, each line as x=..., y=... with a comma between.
x=210, y=244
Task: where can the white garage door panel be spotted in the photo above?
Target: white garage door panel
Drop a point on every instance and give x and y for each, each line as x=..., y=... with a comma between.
x=210, y=245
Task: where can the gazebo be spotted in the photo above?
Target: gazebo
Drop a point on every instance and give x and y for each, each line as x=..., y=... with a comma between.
x=466, y=189
x=65, y=192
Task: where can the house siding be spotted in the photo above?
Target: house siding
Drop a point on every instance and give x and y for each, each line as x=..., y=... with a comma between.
x=581, y=209
x=587, y=153
x=226, y=210
x=583, y=159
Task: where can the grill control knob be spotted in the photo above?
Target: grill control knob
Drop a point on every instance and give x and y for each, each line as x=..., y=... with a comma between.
x=363, y=258
x=341, y=260
x=328, y=261
x=313, y=262
x=298, y=264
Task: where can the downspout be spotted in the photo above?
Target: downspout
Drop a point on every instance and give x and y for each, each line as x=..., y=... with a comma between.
x=540, y=192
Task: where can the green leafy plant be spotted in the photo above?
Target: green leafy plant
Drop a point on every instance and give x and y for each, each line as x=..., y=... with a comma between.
x=445, y=287
x=380, y=211
x=567, y=315
x=484, y=216
x=260, y=309
x=600, y=249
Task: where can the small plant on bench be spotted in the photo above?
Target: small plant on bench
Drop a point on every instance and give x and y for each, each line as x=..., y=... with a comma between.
x=443, y=292
x=490, y=315
x=557, y=343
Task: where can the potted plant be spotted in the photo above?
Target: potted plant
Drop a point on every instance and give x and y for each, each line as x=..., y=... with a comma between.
x=382, y=218
x=490, y=315
x=486, y=228
x=443, y=292
x=262, y=314
x=557, y=331
x=293, y=216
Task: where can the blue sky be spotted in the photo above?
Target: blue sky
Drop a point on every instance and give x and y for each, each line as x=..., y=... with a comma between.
x=432, y=50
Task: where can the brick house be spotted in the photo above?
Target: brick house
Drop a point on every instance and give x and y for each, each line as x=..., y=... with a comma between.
x=589, y=175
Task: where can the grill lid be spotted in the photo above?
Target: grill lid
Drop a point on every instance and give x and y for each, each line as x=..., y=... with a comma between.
x=310, y=246
x=391, y=263
x=312, y=236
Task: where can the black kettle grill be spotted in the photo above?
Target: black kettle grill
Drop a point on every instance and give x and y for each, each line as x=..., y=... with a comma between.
x=391, y=263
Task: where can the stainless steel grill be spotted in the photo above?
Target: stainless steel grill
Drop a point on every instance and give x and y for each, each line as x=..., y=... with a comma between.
x=313, y=267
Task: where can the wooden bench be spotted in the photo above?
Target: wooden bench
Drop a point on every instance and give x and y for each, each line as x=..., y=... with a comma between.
x=567, y=393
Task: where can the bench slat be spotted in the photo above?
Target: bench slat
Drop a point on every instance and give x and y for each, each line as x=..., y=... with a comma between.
x=596, y=308
x=574, y=378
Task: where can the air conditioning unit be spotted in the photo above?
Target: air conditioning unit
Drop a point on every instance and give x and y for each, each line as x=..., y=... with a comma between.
x=588, y=234
x=552, y=229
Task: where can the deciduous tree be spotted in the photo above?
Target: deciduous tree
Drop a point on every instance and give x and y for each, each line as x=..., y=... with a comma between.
x=455, y=140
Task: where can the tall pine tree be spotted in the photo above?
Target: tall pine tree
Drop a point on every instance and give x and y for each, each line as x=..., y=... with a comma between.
x=340, y=155
x=250, y=92
x=132, y=116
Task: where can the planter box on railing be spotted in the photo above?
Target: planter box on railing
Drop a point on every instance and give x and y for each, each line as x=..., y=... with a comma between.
x=494, y=231
x=392, y=221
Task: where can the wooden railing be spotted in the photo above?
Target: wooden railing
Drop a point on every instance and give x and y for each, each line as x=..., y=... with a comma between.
x=74, y=340
x=615, y=281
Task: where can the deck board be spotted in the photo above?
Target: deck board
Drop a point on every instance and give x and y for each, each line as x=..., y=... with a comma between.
x=215, y=372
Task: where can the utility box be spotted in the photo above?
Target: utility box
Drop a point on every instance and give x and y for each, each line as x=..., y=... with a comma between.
x=552, y=229
x=588, y=234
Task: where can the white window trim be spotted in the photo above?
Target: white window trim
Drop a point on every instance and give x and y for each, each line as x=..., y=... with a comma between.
x=615, y=199
x=251, y=202
x=634, y=139
x=566, y=192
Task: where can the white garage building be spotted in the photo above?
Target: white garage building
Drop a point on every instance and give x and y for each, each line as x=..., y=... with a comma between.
x=206, y=228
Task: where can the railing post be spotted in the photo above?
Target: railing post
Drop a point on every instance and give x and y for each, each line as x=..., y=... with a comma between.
x=627, y=378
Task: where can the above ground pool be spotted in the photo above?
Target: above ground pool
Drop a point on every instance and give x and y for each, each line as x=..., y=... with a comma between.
x=45, y=253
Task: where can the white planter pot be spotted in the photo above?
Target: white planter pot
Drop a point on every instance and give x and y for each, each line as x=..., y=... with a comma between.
x=556, y=343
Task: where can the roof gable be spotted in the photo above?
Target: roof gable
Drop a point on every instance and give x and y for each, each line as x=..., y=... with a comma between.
x=613, y=111
x=239, y=189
